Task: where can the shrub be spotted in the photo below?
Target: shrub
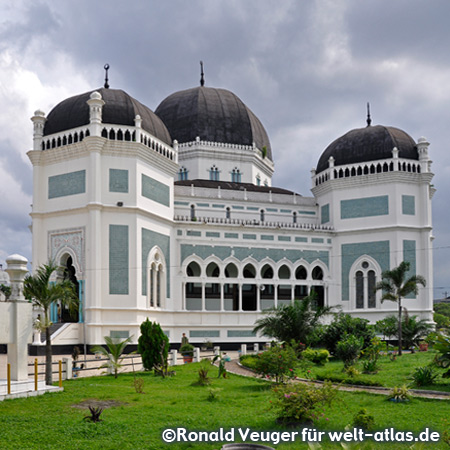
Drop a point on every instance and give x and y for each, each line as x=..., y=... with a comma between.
x=277, y=362
x=371, y=354
x=424, y=376
x=302, y=402
x=344, y=324
x=399, y=394
x=153, y=345
x=349, y=349
x=413, y=330
x=203, y=378
x=352, y=371
x=364, y=420
x=248, y=361
x=441, y=320
x=319, y=357
x=443, y=359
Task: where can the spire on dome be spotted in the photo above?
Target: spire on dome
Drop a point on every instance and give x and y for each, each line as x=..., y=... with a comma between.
x=202, y=75
x=106, y=67
x=369, y=120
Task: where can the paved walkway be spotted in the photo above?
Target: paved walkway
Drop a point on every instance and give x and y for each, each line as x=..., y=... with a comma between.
x=234, y=367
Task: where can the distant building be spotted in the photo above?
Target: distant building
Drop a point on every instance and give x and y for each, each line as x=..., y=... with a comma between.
x=172, y=215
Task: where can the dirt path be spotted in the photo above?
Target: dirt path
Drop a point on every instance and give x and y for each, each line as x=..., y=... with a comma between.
x=234, y=367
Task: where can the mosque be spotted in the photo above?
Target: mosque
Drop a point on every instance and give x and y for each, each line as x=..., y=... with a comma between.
x=172, y=215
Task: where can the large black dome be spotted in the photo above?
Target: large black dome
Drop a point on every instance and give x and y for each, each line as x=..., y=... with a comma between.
x=119, y=109
x=215, y=115
x=368, y=144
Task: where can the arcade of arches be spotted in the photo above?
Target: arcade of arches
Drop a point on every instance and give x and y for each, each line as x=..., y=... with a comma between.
x=228, y=287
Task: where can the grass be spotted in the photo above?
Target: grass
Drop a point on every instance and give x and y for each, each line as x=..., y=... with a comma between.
x=52, y=422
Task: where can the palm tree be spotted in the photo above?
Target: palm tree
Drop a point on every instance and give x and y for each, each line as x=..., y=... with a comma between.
x=293, y=322
x=113, y=353
x=395, y=288
x=42, y=292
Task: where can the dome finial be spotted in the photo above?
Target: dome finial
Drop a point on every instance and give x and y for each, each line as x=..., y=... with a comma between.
x=202, y=75
x=369, y=120
x=106, y=67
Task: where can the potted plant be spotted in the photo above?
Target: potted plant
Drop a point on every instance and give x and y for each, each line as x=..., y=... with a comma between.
x=187, y=350
x=423, y=346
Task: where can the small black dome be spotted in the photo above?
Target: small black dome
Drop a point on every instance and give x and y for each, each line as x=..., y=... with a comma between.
x=119, y=109
x=214, y=115
x=368, y=144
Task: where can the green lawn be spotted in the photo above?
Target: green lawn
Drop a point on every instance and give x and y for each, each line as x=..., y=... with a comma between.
x=52, y=422
x=390, y=374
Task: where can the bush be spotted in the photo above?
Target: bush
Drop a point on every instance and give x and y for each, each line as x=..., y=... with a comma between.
x=302, y=402
x=371, y=355
x=203, y=378
x=153, y=345
x=277, y=362
x=414, y=330
x=423, y=376
x=248, y=361
x=349, y=349
x=319, y=357
x=344, y=324
x=443, y=359
x=399, y=394
x=364, y=420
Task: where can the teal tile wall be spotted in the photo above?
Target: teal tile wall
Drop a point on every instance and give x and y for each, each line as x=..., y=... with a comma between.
x=240, y=333
x=311, y=213
x=252, y=208
x=409, y=255
x=409, y=205
x=365, y=207
x=378, y=250
x=149, y=240
x=288, y=211
x=267, y=237
x=155, y=190
x=180, y=203
x=237, y=207
x=223, y=252
x=325, y=213
x=218, y=206
x=248, y=236
x=284, y=238
x=203, y=205
x=118, y=259
x=204, y=333
x=119, y=334
x=301, y=239
x=212, y=234
x=118, y=180
x=193, y=233
x=231, y=235
x=271, y=209
x=67, y=184
x=179, y=233
x=317, y=240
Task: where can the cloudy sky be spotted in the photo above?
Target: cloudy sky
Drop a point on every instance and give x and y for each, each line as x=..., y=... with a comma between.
x=305, y=68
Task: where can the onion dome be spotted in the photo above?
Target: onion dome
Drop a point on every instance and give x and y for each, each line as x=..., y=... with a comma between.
x=368, y=144
x=214, y=115
x=119, y=109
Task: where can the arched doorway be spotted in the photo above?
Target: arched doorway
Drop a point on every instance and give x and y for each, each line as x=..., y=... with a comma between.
x=70, y=274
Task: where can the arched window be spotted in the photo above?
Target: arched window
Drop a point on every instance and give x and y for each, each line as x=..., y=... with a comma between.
x=267, y=272
x=231, y=271
x=258, y=180
x=284, y=273
x=317, y=273
x=261, y=215
x=193, y=212
x=156, y=283
x=193, y=270
x=236, y=175
x=182, y=174
x=301, y=273
x=294, y=217
x=228, y=213
x=212, y=270
x=249, y=271
x=214, y=173
x=365, y=279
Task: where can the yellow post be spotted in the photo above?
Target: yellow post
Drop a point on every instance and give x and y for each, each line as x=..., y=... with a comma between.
x=60, y=373
x=9, y=378
x=35, y=374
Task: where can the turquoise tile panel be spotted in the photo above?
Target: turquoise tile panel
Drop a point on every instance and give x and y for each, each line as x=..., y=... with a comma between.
x=287, y=211
x=328, y=241
x=118, y=259
x=317, y=240
x=179, y=233
x=155, y=190
x=248, y=236
x=237, y=207
x=378, y=250
x=149, y=240
x=212, y=234
x=311, y=213
x=252, y=208
x=284, y=238
x=365, y=207
x=193, y=233
x=67, y=184
x=409, y=205
x=409, y=255
x=231, y=235
x=271, y=209
x=181, y=203
x=117, y=334
x=325, y=213
x=240, y=333
x=218, y=206
x=301, y=239
x=267, y=237
x=203, y=205
x=204, y=333
x=118, y=180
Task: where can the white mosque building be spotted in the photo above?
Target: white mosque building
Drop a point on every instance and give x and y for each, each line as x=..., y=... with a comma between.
x=171, y=215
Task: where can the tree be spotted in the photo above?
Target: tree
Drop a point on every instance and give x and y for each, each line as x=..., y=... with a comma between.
x=153, y=345
x=6, y=290
x=387, y=327
x=42, y=292
x=113, y=353
x=293, y=322
x=395, y=288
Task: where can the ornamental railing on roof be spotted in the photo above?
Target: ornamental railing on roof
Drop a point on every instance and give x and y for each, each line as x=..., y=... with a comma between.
x=252, y=223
